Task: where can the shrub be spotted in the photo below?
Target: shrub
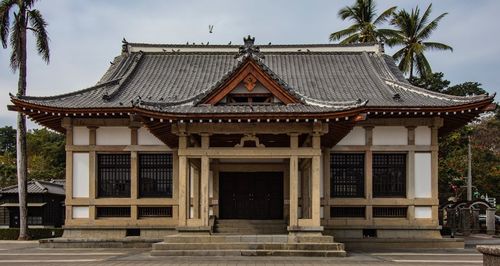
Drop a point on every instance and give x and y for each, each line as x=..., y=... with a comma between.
x=34, y=233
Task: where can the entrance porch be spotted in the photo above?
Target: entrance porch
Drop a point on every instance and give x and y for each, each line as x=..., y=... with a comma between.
x=230, y=172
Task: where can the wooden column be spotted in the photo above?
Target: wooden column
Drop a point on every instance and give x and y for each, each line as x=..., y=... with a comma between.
x=205, y=169
x=66, y=124
x=316, y=193
x=294, y=182
x=294, y=191
x=368, y=172
x=183, y=178
x=92, y=171
x=315, y=182
x=205, y=172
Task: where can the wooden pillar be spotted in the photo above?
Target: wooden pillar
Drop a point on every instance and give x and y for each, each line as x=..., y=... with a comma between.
x=92, y=171
x=194, y=184
x=316, y=193
x=205, y=172
x=183, y=178
x=368, y=172
x=294, y=191
x=67, y=125
x=205, y=169
x=315, y=182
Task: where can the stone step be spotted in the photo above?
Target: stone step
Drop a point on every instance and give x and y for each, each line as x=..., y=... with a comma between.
x=268, y=231
x=248, y=246
x=246, y=252
x=232, y=238
x=240, y=221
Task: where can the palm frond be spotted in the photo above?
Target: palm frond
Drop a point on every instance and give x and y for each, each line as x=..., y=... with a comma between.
x=399, y=54
x=39, y=26
x=15, y=43
x=5, y=8
x=385, y=15
x=425, y=32
x=351, y=39
x=425, y=17
x=423, y=67
x=343, y=33
x=436, y=46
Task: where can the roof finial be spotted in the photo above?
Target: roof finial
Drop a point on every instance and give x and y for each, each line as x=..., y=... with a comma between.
x=124, y=46
x=249, y=49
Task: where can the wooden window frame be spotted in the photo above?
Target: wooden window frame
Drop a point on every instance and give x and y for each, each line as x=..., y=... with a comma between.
x=113, y=180
x=347, y=176
x=389, y=172
x=161, y=171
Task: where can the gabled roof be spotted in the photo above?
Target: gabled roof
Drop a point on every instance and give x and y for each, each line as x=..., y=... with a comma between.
x=170, y=81
x=39, y=187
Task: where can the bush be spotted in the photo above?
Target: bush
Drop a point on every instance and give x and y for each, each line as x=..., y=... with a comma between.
x=34, y=233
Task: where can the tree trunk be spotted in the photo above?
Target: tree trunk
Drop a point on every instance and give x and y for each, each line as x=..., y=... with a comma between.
x=411, y=69
x=22, y=169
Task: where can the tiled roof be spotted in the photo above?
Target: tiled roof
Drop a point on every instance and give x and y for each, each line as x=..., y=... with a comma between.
x=38, y=187
x=174, y=81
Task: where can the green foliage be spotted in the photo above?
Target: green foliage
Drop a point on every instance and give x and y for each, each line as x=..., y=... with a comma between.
x=364, y=29
x=412, y=31
x=434, y=82
x=7, y=140
x=34, y=233
x=46, y=155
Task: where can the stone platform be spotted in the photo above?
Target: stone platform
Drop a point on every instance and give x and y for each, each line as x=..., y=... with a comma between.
x=248, y=245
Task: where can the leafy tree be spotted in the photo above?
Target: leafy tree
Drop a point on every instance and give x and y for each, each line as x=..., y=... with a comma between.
x=434, y=82
x=412, y=32
x=7, y=140
x=25, y=18
x=466, y=89
x=364, y=29
x=46, y=156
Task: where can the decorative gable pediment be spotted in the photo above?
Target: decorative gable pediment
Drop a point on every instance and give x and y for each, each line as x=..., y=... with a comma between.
x=250, y=84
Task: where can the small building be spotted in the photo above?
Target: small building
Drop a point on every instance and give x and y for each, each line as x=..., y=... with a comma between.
x=323, y=138
x=45, y=201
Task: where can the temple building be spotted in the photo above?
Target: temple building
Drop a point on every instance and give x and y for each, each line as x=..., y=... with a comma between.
x=324, y=139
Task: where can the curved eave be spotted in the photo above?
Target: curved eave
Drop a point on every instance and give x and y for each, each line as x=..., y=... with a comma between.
x=454, y=116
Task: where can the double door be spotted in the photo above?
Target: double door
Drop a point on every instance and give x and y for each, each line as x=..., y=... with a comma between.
x=251, y=195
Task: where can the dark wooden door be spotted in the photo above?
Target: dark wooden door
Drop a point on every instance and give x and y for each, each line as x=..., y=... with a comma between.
x=256, y=195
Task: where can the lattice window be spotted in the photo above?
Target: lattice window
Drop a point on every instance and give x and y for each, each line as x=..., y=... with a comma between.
x=145, y=212
x=347, y=174
x=390, y=212
x=389, y=175
x=112, y=212
x=113, y=171
x=155, y=175
x=337, y=212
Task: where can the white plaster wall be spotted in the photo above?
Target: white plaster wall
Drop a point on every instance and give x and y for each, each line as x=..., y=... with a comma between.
x=81, y=175
x=80, y=136
x=423, y=212
x=390, y=135
x=113, y=136
x=146, y=138
x=423, y=135
x=81, y=212
x=423, y=173
x=355, y=137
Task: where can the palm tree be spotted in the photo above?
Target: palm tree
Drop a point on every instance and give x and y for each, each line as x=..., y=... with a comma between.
x=24, y=18
x=412, y=32
x=364, y=29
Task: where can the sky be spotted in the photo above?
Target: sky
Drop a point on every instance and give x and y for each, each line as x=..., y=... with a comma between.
x=85, y=35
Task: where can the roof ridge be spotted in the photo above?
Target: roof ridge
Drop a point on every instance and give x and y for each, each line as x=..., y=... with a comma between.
x=260, y=45
x=135, y=62
x=433, y=94
x=54, y=97
x=374, y=75
x=39, y=185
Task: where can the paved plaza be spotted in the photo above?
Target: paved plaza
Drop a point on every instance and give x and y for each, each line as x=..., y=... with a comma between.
x=28, y=253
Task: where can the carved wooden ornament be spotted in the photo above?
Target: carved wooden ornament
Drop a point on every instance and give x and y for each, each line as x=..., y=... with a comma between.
x=250, y=81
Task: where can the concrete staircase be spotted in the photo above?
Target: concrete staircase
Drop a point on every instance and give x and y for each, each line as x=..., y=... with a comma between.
x=248, y=245
x=250, y=227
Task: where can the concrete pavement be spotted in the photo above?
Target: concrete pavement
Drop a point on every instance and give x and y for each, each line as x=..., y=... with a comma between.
x=28, y=253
